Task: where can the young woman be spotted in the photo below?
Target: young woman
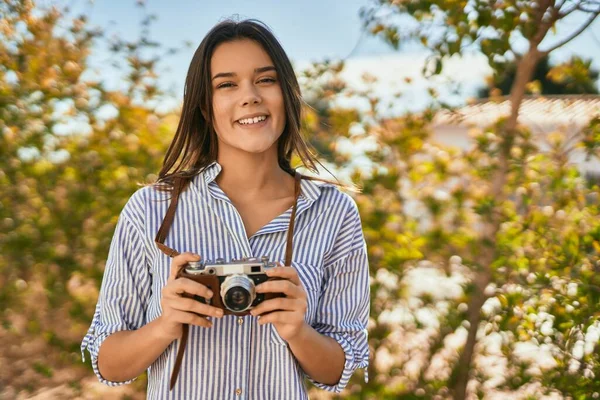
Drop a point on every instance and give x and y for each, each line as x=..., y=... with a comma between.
x=239, y=127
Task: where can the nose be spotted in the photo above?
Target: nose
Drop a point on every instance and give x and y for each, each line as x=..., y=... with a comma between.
x=250, y=96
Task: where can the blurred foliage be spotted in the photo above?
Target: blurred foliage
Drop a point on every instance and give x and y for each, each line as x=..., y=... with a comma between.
x=73, y=151
x=500, y=30
x=575, y=76
x=500, y=295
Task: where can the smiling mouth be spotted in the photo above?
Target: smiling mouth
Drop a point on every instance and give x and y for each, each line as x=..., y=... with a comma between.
x=253, y=122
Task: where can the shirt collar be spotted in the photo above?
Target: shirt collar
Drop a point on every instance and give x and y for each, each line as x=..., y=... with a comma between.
x=309, y=190
x=211, y=172
x=208, y=174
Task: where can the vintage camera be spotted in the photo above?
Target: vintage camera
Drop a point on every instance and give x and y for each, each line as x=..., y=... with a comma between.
x=233, y=283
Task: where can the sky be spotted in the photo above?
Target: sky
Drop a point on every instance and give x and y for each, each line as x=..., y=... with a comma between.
x=309, y=30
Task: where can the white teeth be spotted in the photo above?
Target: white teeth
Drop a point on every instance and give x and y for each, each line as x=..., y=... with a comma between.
x=252, y=120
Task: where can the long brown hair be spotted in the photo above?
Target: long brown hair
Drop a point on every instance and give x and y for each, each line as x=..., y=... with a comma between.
x=195, y=145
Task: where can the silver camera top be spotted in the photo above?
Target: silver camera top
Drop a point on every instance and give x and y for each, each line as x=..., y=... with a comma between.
x=219, y=267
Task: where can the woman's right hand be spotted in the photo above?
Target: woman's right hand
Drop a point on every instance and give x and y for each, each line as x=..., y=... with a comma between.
x=178, y=310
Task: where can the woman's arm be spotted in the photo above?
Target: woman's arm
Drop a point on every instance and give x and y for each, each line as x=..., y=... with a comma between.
x=124, y=355
x=337, y=345
x=321, y=357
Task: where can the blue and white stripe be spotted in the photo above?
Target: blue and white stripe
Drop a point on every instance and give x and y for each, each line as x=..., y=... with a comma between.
x=236, y=354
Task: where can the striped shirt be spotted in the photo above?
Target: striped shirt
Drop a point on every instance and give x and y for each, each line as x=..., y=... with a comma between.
x=237, y=358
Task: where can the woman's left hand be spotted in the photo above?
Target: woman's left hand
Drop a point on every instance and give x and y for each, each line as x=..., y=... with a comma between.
x=285, y=313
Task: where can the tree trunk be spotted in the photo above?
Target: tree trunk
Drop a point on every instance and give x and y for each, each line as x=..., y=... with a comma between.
x=517, y=91
x=483, y=276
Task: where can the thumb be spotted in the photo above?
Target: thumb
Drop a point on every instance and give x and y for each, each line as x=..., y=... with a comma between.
x=181, y=261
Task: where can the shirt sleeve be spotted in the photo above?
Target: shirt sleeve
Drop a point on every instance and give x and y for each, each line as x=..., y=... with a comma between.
x=343, y=309
x=123, y=295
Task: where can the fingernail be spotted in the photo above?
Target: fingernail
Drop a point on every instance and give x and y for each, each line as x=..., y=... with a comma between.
x=258, y=317
x=209, y=294
x=220, y=313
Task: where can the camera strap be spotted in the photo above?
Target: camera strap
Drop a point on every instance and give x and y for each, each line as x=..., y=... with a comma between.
x=178, y=185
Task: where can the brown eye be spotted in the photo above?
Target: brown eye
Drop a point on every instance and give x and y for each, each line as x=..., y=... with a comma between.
x=225, y=85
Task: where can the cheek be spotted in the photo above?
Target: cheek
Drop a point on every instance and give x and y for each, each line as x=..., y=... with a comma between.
x=220, y=115
x=218, y=107
x=278, y=104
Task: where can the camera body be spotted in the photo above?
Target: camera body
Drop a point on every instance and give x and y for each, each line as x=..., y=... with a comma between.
x=232, y=283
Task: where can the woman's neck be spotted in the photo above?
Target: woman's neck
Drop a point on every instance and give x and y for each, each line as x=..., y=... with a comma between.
x=253, y=176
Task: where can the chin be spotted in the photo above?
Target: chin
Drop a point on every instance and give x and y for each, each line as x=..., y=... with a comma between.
x=255, y=146
x=254, y=149
x=250, y=144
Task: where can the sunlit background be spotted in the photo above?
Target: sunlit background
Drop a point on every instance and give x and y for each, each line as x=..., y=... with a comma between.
x=482, y=219
x=310, y=31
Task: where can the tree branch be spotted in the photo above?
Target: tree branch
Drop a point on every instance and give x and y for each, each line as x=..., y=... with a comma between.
x=543, y=26
x=596, y=4
x=572, y=36
x=589, y=11
x=563, y=14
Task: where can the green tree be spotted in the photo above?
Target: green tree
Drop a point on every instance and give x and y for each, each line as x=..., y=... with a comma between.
x=504, y=217
x=505, y=236
x=575, y=76
x=71, y=153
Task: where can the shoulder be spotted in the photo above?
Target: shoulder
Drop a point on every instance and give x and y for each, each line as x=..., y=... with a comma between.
x=143, y=201
x=332, y=196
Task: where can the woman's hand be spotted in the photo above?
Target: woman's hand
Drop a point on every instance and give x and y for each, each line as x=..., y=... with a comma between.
x=285, y=313
x=178, y=310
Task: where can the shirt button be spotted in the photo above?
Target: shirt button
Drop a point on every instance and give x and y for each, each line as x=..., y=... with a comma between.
x=240, y=322
x=238, y=392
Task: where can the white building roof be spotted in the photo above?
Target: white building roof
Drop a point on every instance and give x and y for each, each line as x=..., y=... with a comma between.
x=543, y=112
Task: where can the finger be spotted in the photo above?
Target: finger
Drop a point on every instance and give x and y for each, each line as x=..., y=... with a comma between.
x=281, y=303
x=180, y=260
x=185, y=285
x=288, y=273
x=191, y=305
x=276, y=317
x=184, y=317
x=281, y=286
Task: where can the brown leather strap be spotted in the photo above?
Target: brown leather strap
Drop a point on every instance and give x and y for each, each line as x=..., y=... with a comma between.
x=182, y=343
x=162, y=235
x=290, y=234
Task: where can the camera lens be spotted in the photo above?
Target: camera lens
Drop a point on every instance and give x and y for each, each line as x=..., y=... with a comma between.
x=237, y=292
x=237, y=299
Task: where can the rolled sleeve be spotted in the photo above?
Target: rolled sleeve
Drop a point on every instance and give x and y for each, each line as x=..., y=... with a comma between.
x=123, y=295
x=343, y=313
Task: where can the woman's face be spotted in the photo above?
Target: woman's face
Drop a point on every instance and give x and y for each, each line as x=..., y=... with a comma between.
x=248, y=109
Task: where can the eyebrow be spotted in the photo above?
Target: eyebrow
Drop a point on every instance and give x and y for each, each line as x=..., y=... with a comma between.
x=232, y=74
